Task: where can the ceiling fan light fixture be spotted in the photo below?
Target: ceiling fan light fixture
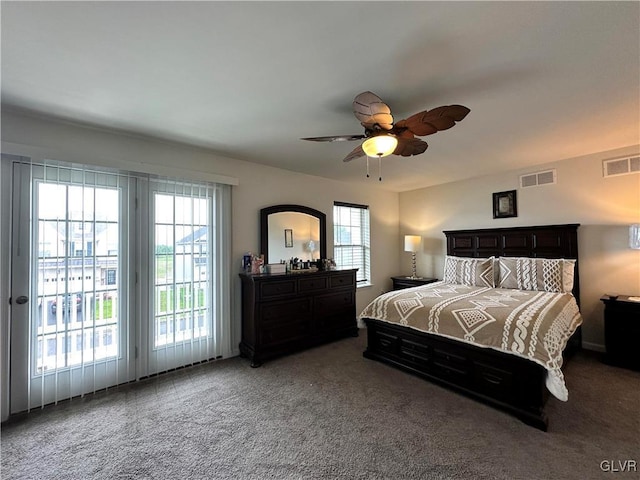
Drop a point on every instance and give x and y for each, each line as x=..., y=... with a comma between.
x=380, y=145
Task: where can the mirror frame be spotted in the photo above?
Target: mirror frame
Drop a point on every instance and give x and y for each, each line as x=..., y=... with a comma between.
x=264, y=226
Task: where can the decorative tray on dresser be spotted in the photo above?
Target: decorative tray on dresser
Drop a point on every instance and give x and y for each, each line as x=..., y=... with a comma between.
x=283, y=313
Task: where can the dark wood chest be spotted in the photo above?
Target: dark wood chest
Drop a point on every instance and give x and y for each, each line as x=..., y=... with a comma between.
x=283, y=313
x=621, y=331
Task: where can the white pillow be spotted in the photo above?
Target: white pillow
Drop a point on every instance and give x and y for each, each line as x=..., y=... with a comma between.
x=541, y=274
x=568, y=272
x=469, y=271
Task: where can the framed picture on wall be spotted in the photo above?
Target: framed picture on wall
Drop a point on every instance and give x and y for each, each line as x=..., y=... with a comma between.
x=505, y=204
x=288, y=238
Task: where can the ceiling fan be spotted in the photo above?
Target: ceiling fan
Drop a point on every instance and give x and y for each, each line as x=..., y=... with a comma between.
x=383, y=137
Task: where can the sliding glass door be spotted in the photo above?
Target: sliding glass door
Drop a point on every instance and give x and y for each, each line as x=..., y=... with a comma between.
x=114, y=277
x=181, y=305
x=70, y=306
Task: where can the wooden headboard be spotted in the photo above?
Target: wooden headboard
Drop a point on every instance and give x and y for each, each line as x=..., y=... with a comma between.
x=545, y=241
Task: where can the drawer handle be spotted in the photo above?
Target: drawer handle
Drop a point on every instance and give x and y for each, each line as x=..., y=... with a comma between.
x=492, y=378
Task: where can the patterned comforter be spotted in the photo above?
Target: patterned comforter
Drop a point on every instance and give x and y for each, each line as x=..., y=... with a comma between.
x=530, y=324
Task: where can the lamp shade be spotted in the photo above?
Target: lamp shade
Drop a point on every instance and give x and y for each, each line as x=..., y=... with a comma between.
x=634, y=236
x=380, y=145
x=412, y=243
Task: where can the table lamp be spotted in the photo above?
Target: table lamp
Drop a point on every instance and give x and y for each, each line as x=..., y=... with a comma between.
x=412, y=244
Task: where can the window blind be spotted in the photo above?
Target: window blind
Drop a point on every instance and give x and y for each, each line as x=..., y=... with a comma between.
x=352, y=244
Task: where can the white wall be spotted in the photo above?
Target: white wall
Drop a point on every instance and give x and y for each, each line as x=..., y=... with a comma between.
x=605, y=207
x=257, y=187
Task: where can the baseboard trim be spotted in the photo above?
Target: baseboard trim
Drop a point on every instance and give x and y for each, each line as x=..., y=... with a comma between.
x=596, y=347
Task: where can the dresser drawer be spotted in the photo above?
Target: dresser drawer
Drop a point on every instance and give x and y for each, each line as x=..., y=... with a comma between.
x=336, y=322
x=312, y=284
x=335, y=302
x=493, y=381
x=415, y=352
x=277, y=289
x=285, y=312
x=449, y=357
x=449, y=363
x=284, y=333
x=343, y=280
x=382, y=341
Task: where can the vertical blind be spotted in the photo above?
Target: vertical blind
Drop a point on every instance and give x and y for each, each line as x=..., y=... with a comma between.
x=80, y=247
x=189, y=271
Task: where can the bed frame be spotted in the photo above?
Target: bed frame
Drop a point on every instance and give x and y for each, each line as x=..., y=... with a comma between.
x=510, y=383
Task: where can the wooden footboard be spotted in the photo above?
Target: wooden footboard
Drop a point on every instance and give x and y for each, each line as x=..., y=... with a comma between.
x=510, y=383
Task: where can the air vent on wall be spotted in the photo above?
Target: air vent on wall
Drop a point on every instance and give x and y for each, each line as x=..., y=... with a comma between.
x=547, y=177
x=620, y=166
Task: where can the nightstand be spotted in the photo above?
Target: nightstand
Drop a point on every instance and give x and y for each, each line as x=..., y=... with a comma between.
x=407, y=282
x=621, y=331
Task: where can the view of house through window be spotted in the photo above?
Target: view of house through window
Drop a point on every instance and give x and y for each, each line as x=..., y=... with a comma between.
x=116, y=273
x=351, y=239
x=76, y=264
x=181, y=268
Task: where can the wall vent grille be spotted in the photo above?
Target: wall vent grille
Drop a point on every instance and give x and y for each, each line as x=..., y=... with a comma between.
x=547, y=177
x=620, y=166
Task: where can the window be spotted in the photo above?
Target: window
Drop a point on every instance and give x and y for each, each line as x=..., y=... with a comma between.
x=91, y=308
x=111, y=277
x=65, y=344
x=351, y=240
x=107, y=337
x=182, y=223
x=51, y=347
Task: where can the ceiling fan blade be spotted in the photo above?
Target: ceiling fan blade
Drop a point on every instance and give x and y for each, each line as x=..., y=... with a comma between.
x=410, y=146
x=355, y=153
x=457, y=112
x=372, y=111
x=429, y=122
x=335, y=138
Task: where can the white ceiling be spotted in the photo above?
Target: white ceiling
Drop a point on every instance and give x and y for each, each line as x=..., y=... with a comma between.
x=544, y=81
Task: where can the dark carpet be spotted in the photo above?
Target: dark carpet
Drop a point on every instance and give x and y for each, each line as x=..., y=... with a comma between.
x=325, y=413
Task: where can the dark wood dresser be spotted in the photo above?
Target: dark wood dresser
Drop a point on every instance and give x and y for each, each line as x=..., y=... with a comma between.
x=621, y=331
x=283, y=313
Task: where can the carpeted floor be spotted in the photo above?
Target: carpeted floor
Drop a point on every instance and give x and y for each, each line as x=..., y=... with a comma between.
x=326, y=413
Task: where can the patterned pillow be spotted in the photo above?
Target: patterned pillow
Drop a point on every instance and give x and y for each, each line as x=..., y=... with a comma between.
x=568, y=270
x=469, y=271
x=542, y=274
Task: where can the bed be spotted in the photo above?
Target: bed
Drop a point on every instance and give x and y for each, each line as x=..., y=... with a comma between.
x=511, y=379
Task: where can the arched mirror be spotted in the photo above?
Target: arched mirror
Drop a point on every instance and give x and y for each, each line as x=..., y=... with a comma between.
x=292, y=231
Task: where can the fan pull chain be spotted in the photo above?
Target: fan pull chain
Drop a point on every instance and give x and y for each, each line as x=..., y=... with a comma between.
x=367, y=166
x=379, y=168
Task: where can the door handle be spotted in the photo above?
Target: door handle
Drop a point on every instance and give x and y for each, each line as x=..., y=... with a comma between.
x=22, y=299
